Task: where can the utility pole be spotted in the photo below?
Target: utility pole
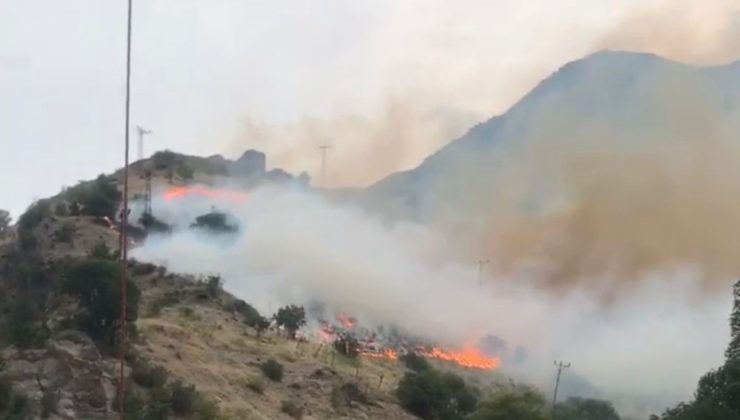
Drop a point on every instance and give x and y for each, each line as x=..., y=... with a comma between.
x=324, y=148
x=142, y=132
x=481, y=264
x=560, y=367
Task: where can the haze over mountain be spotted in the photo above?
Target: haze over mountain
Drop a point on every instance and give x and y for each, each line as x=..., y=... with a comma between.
x=619, y=162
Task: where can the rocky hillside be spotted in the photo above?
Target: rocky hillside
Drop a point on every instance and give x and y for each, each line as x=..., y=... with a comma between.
x=629, y=98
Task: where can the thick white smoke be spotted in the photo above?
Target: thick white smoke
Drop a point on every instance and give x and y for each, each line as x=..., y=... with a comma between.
x=295, y=247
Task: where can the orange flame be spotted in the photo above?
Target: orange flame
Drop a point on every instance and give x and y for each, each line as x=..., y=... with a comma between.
x=347, y=322
x=471, y=358
x=236, y=196
x=388, y=354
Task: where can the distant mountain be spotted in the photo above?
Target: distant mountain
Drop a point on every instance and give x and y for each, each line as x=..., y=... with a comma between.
x=628, y=95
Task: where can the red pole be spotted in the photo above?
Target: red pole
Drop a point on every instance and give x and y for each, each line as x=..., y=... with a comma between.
x=124, y=232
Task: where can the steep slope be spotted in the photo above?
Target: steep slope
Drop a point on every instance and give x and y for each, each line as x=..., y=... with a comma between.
x=630, y=96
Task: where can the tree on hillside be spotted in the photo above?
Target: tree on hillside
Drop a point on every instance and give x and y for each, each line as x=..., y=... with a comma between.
x=717, y=395
x=95, y=283
x=585, y=409
x=434, y=395
x=5, y=220
x=521, y=404
x=733, y=349
x=101, y=198
x=292, y=318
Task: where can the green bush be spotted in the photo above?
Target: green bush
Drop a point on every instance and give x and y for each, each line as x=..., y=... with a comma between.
x=183, y=399
x=163, y=159
x=291, y=318
x=415, y=362
x=292, y=409
x=98, y=198
x=25, y=329
x=273, y=370
x=148, y=376
x=522, y=404
x=585, y=409
x=35, y=214
x=95, y=283
x=101, y=251
x=432, y=395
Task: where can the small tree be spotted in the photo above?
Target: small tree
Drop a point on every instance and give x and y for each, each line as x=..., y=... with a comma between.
x=5, y=220
x=95, y=283
x=292, y=318
x=733, y=349
x=585, y=409
x=261, y=325
x=433, y=395
x=521, y=404
x=214, y=285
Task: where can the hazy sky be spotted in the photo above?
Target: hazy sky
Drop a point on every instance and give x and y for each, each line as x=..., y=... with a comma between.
x=203, y=70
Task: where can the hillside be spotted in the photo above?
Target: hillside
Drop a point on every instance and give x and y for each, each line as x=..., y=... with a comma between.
x=187, y=331
x=630, y=98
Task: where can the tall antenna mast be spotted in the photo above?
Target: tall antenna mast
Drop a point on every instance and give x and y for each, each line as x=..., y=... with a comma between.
x=324, y=148
x=142, y=132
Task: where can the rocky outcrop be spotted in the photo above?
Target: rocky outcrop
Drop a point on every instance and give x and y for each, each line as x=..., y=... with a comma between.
x=68, y=379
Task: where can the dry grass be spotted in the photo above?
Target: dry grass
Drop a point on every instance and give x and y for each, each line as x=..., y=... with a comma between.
x=218, y=354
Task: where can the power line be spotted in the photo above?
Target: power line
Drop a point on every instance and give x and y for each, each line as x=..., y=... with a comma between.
x=560, y=367
x=124, y=229
x=324, y=148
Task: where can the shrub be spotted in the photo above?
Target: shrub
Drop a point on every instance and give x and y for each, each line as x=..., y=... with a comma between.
x=95, y=283
x=183, y=398
x=214, y=221
x=523, y=403
x=65, y=233
x=163, y=159
x=256, y=385
x=99, y=198
x=158, y=404
x=61, y=209
x=250, y=314
x=432, y=395
x=25, y=329
x=148, y=376
x=101, y=251
x=207, y=409
x=291, y=318
x=35, y=214
x=347, y=345
x=261, y=325
x=184, y=171
x=585, y=409
x=213, y=285
x=292, y=409
x=273, y=370
x=415, y=362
